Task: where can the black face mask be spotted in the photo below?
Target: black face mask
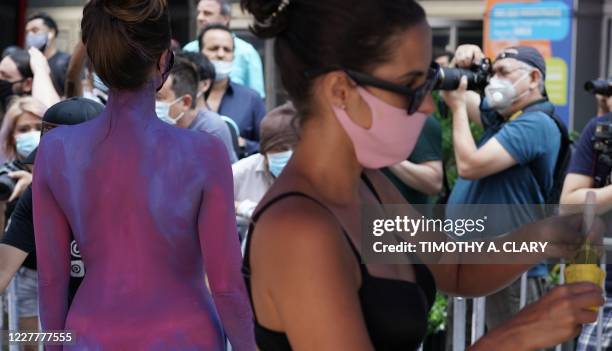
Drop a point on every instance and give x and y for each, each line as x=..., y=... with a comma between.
x=6, y=91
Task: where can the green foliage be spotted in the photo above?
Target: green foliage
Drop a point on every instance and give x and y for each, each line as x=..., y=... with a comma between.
x=437, y=315
x=446, y=124
x=555, y=274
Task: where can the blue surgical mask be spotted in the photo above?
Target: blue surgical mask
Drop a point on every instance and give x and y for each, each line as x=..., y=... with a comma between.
x=37, y=40
x=162, y=109
x=222, y=69
x=278, y=161
x=27, y=142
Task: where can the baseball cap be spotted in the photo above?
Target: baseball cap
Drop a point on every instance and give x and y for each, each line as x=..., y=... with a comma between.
x=68, y=112
x=526, y=54
x=277, y=128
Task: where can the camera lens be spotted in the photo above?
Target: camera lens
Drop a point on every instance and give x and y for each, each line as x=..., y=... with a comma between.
x=599, y=86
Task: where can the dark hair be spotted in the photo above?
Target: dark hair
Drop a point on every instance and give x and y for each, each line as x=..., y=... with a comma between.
x=277, y=130
x=185, y=79
x=125, y=39
x=9, y=50
x=206, y=70
x=213, y=26
x=314, y=34
x=47, y=20
x=22, y=61
x=226, y=7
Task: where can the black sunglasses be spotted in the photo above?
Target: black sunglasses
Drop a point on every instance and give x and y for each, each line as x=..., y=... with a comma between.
x=415, y=96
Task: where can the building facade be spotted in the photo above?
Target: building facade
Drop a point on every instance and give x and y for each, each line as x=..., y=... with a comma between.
x=453, y=23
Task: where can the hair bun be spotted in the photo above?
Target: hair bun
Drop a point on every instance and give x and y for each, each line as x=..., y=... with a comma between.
x=133, y=11
x=271, y=17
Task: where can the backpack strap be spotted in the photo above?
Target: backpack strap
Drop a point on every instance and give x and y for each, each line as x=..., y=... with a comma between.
x=564, y=147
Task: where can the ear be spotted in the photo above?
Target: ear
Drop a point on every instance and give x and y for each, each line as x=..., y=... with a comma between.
x=163, y=60
x=535, y=76
x=338, y=89
x=205, y=85
x=187, y=100
x=26, y=86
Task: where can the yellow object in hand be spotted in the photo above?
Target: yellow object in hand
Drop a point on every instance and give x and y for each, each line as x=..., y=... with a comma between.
x=585, y=273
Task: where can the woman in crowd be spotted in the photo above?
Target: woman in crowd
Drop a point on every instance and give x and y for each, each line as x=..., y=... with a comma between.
x=359, y=74
x=149, y=205
x=20, y=134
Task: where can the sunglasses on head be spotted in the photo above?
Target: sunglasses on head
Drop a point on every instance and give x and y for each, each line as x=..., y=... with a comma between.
x=414, y=96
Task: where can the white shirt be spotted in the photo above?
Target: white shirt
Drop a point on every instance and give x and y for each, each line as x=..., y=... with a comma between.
x=252, y=179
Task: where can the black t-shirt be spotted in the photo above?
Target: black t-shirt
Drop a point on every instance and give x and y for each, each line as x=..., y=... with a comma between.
x=20, y=234
x=58, y=64
x=20, y=229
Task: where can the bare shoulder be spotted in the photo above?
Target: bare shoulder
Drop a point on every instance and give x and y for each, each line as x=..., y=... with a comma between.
x=304, y=236
x=298, y=220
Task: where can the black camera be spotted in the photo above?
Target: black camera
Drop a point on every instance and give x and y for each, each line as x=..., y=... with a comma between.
x=602, y=143
x=7, y=184
x=599, y=86
x=477, y=75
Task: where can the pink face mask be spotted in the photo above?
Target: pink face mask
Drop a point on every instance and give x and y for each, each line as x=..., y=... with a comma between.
x=391, y=138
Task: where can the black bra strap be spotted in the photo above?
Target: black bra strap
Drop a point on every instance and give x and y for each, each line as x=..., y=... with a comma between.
x=257, y=215
x=274, y=200
x=246, y=269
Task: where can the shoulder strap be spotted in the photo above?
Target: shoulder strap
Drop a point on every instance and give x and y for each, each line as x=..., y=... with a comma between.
x=276, y=199
x=246, y=266
x=246, y=269
x=564, y=148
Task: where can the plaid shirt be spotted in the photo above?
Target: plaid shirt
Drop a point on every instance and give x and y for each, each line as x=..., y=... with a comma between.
x=588, y=338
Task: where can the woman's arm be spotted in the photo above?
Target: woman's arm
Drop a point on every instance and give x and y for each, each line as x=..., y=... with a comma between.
x=52, y=233
x=220, y=247
x=307, y=275
x=555, y=318
x=73, y=86
x=42, y=85
x=11, y=259
x=463, y=274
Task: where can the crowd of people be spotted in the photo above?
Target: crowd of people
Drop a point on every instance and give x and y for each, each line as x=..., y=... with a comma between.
x=134, y=170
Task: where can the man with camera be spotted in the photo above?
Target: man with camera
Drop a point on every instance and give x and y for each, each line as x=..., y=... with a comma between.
x=514, y=162
x=590, y=171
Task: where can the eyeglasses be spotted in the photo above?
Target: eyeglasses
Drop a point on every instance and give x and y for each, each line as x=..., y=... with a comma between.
x=414, y=96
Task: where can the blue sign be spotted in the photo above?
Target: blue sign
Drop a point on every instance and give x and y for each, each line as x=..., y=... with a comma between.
x=550, y=20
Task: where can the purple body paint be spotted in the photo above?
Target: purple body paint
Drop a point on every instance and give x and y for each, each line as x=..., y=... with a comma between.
x=150, y=206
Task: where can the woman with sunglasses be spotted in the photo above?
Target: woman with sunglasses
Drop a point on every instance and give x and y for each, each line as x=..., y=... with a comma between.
x=359, y=74
x=147, y=216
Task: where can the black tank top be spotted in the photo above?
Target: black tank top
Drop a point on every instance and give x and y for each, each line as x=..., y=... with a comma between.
x=395, y=311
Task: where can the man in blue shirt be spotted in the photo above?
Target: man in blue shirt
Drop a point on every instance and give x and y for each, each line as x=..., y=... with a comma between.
x=514, y=162
x=175, y=104
x=248, y=69
x=242, y=104
x=580, y=180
